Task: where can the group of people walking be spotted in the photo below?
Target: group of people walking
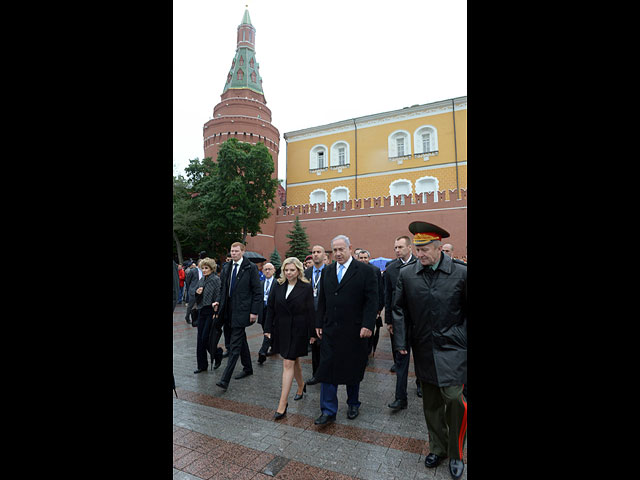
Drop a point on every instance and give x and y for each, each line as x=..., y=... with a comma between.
x=333, y=310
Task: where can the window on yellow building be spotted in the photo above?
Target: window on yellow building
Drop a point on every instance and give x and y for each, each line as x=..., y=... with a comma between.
x=399, y=144
x=318, y=159
x=427, y=184
x=426, y=140
x=339, y=194
x=399, y=187
x=339, y=155
x=318, y=196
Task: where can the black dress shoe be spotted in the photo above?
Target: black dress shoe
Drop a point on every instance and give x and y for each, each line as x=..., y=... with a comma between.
x=217, y=364
x=324, y=419
x=456, y=467
x=261, y=358
x=225, y=354
x=398, y=404
x=242, y=374
x=393, y=368
x=200, y=370
x=419, y=391
x=311, y=381
x=278, y=415
x=432, y=460
x=352, y=412
x=222, y=384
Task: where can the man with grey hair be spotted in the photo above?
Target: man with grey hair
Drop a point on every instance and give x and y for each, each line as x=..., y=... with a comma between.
x=345, y=319
x=430, y=302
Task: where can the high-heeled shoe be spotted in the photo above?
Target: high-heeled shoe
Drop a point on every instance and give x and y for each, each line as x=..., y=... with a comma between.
x=278, y=415
x=299, y=396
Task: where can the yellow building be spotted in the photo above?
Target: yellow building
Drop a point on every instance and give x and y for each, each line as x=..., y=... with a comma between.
x=416, y=149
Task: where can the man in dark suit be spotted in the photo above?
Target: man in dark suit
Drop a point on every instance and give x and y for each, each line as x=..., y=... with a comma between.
x=266, y=285
x=240, y=304
x=314, y=273
x=404, y=256
x=364, y=256
x=191, y=283
x=346, y=316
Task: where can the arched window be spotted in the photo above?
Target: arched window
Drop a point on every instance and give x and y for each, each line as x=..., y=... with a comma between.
x=318, y=158
x=339, y=194
x=399, y=187
x=340, y=155
x=425, y=140
x=240, y=74
x=399, y=143
x=318, y=196
x=427, y=184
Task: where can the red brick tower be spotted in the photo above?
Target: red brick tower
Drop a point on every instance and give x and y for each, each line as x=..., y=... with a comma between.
x=243, y=114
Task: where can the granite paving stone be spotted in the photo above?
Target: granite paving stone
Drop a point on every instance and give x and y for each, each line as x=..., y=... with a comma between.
x=228, y=434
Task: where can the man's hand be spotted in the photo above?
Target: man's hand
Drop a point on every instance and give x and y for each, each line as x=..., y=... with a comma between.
x=403, y=352
x=365, y=332
x=253, y=317
x=199, y=290
x=390, y=328
x=312, y=340
x=215, y=306
x=268, y=335
x=319, y=333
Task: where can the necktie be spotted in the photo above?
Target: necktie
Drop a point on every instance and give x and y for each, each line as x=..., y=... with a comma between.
x=340, y=270
x=233, y=278
x=267, y=285
x=315, y=280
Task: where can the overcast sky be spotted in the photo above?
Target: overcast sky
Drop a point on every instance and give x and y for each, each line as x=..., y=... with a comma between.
x=321, y=61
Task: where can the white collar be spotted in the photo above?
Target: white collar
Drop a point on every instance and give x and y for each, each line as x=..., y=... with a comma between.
x=346, y=264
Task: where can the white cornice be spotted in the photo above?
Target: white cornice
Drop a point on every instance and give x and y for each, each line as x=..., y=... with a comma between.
x=407, y=113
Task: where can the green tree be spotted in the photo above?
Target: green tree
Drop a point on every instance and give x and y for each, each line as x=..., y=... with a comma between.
x=275, y=259
x=189, y=224
x=234, y=194
x=299, y=241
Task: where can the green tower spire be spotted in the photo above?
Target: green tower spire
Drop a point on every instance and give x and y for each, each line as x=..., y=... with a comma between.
x=244, y=72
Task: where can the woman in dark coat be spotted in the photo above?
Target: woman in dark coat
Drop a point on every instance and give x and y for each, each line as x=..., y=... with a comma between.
x=289, y=325
x=207, y=300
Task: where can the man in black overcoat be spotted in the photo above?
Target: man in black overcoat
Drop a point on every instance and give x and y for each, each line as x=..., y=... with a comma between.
x=314, y=274
x=345, y=319
x=240, y=304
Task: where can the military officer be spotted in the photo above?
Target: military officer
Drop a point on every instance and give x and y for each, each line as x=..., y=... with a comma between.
x=431, y=303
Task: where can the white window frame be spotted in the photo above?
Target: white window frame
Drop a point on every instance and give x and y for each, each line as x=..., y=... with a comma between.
x=318, y=190
x=396, y=183
x=340, y=187
x=419, y=189
x=417, y=140
x=335, y=155
x=313, y=158
x=392, y=145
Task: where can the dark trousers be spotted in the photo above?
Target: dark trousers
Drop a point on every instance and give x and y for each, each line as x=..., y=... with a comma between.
x=315, y=355
x=266, y=342
x=329, y=397
x=205, y=318
x=239, y=348
x=402, y=373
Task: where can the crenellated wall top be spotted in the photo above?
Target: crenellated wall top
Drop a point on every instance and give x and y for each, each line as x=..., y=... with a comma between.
x=446, y=199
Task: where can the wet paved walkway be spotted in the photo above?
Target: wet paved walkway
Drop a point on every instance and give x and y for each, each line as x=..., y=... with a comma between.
x=231, y=434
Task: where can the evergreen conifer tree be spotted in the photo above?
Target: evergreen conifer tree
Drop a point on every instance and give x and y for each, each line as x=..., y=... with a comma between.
x=275, y=259
x=299, y=241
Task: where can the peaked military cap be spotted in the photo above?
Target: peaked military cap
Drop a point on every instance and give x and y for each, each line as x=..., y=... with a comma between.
x=425, y=233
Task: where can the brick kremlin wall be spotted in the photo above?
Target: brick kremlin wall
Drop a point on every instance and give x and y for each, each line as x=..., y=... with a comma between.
x=373, y=223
